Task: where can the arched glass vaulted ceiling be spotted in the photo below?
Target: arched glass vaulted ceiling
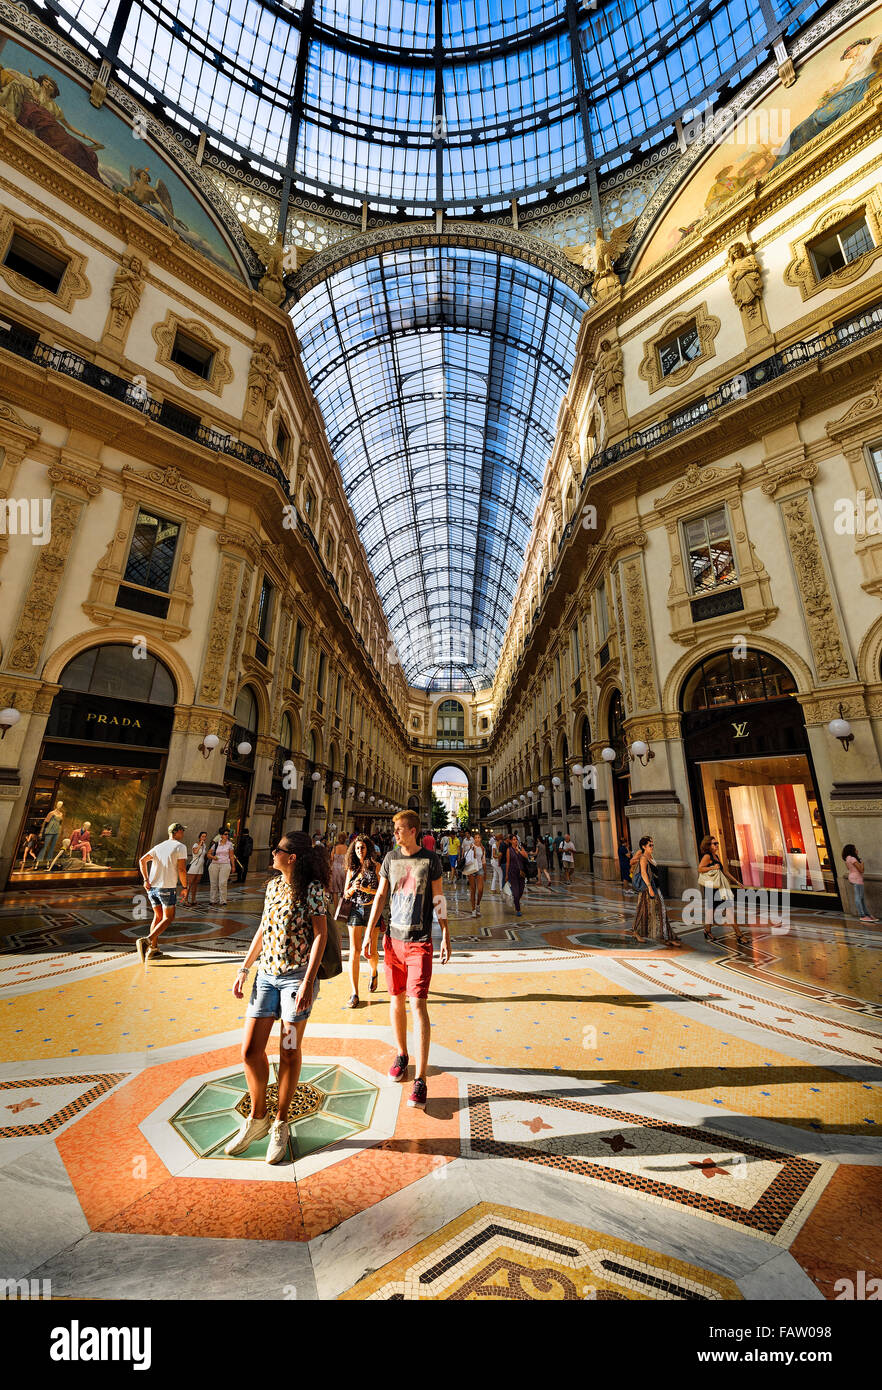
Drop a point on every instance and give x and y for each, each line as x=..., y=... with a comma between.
x=419, y=104
x=439, y=372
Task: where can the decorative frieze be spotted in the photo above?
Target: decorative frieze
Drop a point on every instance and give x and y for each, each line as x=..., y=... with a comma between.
x=45, y=581
x=813, y=583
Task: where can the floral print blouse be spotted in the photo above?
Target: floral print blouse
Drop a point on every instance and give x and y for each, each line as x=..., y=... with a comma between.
x=287, y=926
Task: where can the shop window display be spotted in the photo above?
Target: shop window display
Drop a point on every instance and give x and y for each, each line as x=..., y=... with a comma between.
x=101, y=814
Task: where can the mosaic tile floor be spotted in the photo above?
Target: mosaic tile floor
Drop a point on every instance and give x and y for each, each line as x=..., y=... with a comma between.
x=606, y=1120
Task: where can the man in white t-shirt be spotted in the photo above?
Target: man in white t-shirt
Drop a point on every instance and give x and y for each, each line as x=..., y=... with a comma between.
x=168, y=868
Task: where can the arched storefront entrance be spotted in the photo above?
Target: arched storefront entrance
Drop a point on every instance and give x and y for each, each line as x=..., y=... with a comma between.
x=239, y=770
x=100, y=770
x=751, y=776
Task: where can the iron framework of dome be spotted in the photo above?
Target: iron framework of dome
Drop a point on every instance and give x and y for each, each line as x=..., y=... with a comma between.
x=439, y=372
x=437, y=104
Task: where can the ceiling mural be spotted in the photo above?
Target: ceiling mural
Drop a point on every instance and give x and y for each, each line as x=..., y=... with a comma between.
x=829, y=84
x=55, y=108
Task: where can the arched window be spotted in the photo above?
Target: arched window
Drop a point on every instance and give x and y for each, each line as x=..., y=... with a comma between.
x=114, y=671
x=286, y=736
x=451, y=719
x=724, y=679
x=586, y=743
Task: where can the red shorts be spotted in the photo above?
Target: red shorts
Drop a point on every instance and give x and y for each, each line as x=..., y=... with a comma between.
x=408, y=967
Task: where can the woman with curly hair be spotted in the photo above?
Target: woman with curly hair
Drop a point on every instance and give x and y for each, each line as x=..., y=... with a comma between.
x=362, y=882
x=288, y=947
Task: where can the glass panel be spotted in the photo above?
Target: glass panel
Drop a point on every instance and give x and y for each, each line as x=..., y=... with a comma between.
x=102, y=811
x=152, y=552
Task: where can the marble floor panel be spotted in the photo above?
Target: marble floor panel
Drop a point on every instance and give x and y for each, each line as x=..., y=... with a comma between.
x=608, y=1119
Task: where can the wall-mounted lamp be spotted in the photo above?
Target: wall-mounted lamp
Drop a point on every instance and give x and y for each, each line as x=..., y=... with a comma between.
x=608, y=755
x=641, y=751
x=208, y=744
x=335, y=786
x=577, y=769
x=316, y=777
x=8, y=718
x=839, y=728
x=555, y=782
x=350, y=791
x=541, y=788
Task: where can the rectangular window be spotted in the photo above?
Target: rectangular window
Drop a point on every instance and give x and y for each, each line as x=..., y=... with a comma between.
x=189, y=353
x=351, y=711
x=711, y=554
x=574, y=649
x=840, y=247
x=484, y=773
x=265, y=610
x=320, y=677
x=557, y=674
x=298, y=647
x=602, y=614
x=309, y=503
x=338, y=698
x=35, y=262
x=876, y=456
x=414, y=775
x=283, y=442
x=181, y=421
x=678, y=350
x=152, y=552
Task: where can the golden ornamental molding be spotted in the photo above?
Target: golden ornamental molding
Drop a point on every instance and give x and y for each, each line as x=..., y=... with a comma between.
x=165, y=482
x=74, y=284
x=707, y=326
x=799, y=475
x=77, y=482
x=218, y=637
x=859, y=412
x=164, y=337
x=828, y=648
x=800, y=272
x=45, y=582
x=698, y=485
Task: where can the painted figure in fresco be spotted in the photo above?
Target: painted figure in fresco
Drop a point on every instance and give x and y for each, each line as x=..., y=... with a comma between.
x=731, y=178
x=864, y=58
x=31, y=101
x=745, y=275
x=155, y=199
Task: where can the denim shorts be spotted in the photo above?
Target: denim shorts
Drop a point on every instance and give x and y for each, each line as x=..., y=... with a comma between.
x=163, y=897
x=272, y=996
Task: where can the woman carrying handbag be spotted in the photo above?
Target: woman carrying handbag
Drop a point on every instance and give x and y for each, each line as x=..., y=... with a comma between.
x=473, y=868
x=715, y=883
x=359, y=891
x=651, y=922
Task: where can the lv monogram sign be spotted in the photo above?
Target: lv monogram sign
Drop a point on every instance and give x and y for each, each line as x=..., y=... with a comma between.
x=740, y=730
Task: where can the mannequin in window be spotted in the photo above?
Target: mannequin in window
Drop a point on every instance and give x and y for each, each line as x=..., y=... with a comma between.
x=50, y=831
x=81, y=842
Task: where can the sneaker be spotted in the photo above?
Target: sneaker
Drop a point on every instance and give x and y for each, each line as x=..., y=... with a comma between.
x=156, y=954
x=419, y=1095
x=278, y=1144
x=398, y=1069
x=474, y=914
x=141, y=944
x=249, y=1132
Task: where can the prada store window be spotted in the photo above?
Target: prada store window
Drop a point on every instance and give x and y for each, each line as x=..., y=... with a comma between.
x=95, y=791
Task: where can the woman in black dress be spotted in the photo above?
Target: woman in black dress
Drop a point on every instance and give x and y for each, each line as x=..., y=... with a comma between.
x=360, y=889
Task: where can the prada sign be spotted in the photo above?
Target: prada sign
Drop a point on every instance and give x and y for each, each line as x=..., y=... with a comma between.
x=97, y=719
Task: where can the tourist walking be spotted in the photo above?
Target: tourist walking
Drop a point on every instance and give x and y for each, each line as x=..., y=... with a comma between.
x=624, y=863
x=412, y=878
x=715, y=882
x=221, y=862
x=558, y=851
x=542, y=860
x=167, y=870
x=855, y=866
x=496, y=880
x=453, y=848
x=196, y=867
x=427, y=841
x=651, y=922
x=288, y=947
x=338, y=869
x=474, y=860
x=568, y=857
x=359, y=891
x=515, y=859
x=244, y=851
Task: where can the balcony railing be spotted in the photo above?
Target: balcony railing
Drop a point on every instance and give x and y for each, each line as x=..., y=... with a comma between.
x=70, y=364
x=770, y=369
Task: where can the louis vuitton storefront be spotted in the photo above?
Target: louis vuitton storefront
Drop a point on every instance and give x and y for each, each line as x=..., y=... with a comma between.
x=751, y=775
x=96, y=787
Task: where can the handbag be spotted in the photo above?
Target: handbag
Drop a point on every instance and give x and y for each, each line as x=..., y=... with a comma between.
x=506, y=891
x=343, y=909
x=332, y=956
x=471, y=865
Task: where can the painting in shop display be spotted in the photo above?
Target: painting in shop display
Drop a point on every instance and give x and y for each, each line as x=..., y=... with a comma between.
x=828, y=86
x=56, y=109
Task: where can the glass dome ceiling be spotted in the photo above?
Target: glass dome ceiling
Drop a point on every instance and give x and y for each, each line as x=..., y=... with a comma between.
x=415, y=105
x=439, y=372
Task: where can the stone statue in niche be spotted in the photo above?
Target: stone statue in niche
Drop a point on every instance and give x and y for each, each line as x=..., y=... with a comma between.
x=745, y=275
x=125, y=293
x=609, y=370
x=263, y=385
